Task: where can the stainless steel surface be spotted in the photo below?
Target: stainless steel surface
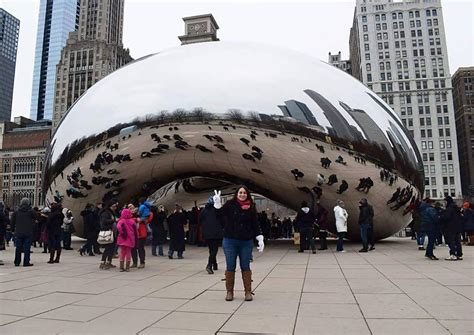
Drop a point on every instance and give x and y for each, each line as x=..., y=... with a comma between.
x=229, y=90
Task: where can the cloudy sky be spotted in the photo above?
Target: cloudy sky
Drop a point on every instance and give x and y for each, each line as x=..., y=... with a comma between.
x=314, y=27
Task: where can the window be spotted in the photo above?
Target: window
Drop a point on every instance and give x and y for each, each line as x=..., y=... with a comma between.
x=369, y=77
x=367, y=56
x=366, y=37
x=368, y=67
x=394, y=16
x=433, y=181
x=432, y=169
x=377, y=26
x=430, y=144
x=364, y=18
x=364, y=28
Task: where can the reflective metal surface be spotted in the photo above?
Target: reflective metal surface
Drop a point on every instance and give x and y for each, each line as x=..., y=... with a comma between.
x=239, y=113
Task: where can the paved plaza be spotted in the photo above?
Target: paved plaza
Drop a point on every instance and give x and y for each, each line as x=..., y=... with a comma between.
x=392, y=290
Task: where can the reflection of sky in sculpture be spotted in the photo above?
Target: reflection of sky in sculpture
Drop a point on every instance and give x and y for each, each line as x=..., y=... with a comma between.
x=218, y=76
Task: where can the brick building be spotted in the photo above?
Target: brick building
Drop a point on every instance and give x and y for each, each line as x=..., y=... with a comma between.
x=23, y=146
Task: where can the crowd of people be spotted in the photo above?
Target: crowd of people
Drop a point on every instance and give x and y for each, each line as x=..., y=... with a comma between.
x=449, y=224
x=124, y=232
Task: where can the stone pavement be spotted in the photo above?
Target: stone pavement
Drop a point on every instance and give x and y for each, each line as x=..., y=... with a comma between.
x=392, y=290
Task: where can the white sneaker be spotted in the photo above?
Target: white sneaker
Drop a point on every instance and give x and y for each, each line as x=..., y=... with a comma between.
x=342, y=251
x=451, y=258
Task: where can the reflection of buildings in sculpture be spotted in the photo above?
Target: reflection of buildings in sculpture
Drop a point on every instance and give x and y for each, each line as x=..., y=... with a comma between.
x=370, y=128
x=299, y=111
x=23, y=148
x=409, y=151
x=338, y=123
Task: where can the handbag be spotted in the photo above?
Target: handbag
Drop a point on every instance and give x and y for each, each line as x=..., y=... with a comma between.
x=105, y=237
x=296, y=238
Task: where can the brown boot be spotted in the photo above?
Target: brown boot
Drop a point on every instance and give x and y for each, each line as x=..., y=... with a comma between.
x=247, y=279
x=127, y=266
x=471, y=240
x=229, y=285
x=122, y=269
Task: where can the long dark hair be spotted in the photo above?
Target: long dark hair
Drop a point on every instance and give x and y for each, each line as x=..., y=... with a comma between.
x=249, y=195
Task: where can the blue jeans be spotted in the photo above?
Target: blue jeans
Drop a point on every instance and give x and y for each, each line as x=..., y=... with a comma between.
x=233, y=248
x=340, y=241
x=23, y=244
x=364, y=233
x=420, y=238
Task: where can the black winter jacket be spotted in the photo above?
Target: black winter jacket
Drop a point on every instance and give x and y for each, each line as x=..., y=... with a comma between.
x=451, y=219
x=238, y=223
x=90, y=224
x=54, y=223
x=107, y=219
x=305, y=220
x=23, y=220
x=366, y=214
x=211, y=225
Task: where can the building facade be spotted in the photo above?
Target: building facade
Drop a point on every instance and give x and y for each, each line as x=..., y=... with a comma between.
x=398, y=49
x=93, y=51
x=9, y=30
x=463, y=96
x=337, y=61
x=55, y=21
x=22, y=152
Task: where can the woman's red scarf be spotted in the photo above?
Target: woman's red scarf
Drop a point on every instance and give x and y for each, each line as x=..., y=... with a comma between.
x=244, y=204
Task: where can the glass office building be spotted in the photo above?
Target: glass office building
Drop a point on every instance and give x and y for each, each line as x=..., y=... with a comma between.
x=9, y=30
x=56, y=20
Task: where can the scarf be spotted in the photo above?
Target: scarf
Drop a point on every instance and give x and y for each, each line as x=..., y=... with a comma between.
x=244, y=204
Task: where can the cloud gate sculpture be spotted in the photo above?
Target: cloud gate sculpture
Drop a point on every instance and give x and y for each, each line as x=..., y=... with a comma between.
x=289, y=126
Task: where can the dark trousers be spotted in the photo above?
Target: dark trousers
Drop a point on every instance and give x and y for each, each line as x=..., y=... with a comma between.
x=67, y=240
x=306, y=239
x=371, y=236
x=454, y=242
x=108, y=252
x=87, y=247
x=323, y=239
x=431, y=243
x=340, y=241
x=364, y=235
x=139, y=252
x=23, y=244
x=160, y=249
x=213, y=245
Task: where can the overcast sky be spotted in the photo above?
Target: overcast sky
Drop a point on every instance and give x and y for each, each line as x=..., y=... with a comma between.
x=314, y=27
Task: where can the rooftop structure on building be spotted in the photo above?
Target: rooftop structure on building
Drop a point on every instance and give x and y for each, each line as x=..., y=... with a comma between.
x=199, y=28
x=92, y=52
x=9, y=31
x=56, y=20
x=463, y=96
x=398, y=49
x=337, y=61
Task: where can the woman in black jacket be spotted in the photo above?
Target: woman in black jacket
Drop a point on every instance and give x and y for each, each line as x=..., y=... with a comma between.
x=239, y=217
x=107, y=222
x=176, y=222
x=305, y=220
x=158, y=231
x=53, y=227
x=211, y=232
x=89, y=220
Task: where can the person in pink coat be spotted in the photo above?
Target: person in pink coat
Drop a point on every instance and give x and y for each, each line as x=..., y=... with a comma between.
x=127, y=235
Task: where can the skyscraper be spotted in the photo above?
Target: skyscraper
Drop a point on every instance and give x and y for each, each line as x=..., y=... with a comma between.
x=299, y=111
x=55, y=21
x=398, y=49
x=340, y=127
x=93, y=51
x=9, y=30
x=463, y=96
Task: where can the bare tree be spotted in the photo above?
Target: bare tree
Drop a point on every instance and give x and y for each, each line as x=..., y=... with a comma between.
x=235, y=115
x=254, y=117
x=179, y=115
